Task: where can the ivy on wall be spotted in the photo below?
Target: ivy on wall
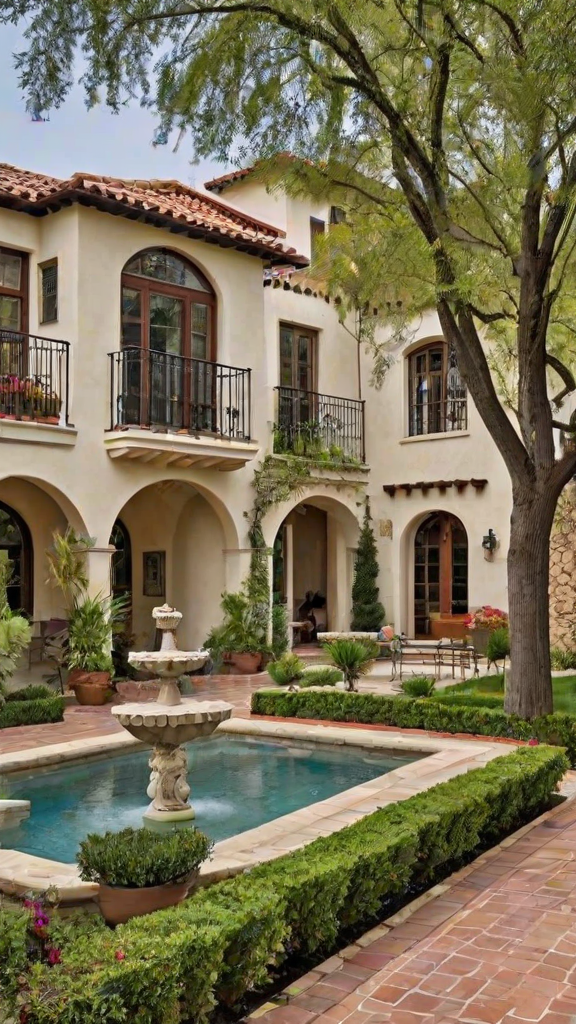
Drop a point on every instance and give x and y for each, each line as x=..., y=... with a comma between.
x=278, y=479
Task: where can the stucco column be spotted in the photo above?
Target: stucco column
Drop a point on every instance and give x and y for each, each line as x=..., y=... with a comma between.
x=289, y=569
x=99, y=570
x=338, y=578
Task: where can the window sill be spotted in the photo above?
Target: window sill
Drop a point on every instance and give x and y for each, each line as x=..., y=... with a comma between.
x=446, y=435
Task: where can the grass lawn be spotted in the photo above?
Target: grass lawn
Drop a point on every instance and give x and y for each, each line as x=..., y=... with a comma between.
x=564, y=690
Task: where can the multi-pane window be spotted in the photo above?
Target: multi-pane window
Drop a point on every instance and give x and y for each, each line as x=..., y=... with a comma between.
x=49, y=292
x=317, y=230
x=13, y=290
x=440, y=570
x=437, y=397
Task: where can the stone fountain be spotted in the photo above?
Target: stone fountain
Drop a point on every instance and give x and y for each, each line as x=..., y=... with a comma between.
x=170, y=721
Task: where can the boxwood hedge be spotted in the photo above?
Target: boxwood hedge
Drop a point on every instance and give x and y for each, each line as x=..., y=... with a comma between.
x=31, y=712
x=178, y=964
x=454, y=715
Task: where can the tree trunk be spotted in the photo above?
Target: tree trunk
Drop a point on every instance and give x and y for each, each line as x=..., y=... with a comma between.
x=529, y=684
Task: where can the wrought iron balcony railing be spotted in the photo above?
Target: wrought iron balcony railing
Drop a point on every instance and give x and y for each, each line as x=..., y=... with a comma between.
x=34, y=375
x=308, y=423
x=177, y=393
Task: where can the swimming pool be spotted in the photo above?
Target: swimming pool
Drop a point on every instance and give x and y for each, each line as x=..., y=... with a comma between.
x=237, y=784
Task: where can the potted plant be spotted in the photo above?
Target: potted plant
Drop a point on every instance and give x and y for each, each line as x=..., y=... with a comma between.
x=241, y=639
x=482, y=623
x=91, y=620
x=139, y=870
x=354, y=658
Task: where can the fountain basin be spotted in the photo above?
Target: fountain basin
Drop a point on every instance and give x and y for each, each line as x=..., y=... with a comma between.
x=169, y=663
x=172, y=724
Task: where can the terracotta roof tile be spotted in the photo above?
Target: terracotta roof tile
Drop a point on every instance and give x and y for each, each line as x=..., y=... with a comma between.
x=172, y=200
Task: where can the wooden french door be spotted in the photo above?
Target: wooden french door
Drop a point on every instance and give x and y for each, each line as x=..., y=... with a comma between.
x=440, y=571
x=169, y=328
x=297, y=400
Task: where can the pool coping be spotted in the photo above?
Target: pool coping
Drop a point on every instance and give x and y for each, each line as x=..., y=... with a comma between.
x=447, y=757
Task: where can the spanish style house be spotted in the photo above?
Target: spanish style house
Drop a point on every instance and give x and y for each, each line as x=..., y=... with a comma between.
x=157, y=344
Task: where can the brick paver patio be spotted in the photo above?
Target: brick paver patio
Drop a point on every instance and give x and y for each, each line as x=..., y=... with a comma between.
x=498, y=946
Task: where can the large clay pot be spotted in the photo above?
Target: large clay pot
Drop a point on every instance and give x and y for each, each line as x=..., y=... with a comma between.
x=246, y=664
x=480, y=639
x=78, y=675
x=90, y=694
x=118, y=905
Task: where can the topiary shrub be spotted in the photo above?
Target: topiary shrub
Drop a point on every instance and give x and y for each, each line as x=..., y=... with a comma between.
x=137, y=858
x=279, y=644
x=367, y=612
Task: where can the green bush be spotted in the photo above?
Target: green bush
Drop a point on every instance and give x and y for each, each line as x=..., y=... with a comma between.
x=33, y=692
x=228, y=939
x=453, y=716
x=279, y=630
x=32, y=712
x=367, y=612
x=498, y=646
x=562, y=660
x=470, y=700
x=321, y=675
x=418, y=686
x=139, y=858
x=354, y=658
x=288, y=670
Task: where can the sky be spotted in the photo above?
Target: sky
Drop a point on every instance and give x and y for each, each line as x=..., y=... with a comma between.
x=77, y=139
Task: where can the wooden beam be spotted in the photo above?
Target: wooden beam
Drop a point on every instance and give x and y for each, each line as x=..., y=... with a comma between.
x=118, y=453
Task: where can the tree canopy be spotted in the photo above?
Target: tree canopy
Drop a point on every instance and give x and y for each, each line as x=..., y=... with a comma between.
x=448, y=130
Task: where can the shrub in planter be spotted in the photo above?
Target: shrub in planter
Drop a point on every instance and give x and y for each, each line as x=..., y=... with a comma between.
x=139, y=870
x=498, y=646
x=241, y=636
x=418, y=686
x=31, y=712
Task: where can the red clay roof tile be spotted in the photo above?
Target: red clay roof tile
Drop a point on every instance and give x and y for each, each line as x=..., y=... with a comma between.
x=30, y=191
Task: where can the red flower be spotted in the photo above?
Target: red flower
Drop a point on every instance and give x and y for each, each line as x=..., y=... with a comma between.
x=533, y=742
x=120, y=955
x=54, y=956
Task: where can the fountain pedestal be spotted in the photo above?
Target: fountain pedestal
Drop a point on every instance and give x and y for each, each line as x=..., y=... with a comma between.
x=170, y=721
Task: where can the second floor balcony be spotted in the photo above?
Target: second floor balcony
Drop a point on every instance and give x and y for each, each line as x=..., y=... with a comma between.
x=193, y=411
x=34, y=379
x=314, y=425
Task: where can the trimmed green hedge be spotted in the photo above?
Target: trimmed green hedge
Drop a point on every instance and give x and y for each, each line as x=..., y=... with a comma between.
x=470, y=700
x=431, y=714
x=177, y=964
x=31, y=712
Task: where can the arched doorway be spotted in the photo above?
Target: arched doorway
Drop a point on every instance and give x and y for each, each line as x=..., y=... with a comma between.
x=440, y=576
x=121, y=568
x=16, y=547
x=168, y=343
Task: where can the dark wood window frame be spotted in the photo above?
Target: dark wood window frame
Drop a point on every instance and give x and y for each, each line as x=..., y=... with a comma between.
x=317, y=227
x=446, y=409
x=313, y=334
x=440, y=581
x=22, y=292
x=188, y=296
x=44, y=268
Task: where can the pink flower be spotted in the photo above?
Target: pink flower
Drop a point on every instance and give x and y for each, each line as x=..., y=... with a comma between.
x=533, y=742
x=54, y=956
x=120, y=955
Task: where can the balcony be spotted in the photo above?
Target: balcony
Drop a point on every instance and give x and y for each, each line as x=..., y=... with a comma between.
x=179, y=410
x=319, y=426
x=34, y=382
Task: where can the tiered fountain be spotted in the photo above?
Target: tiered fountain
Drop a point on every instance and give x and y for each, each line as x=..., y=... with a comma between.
x=170, y=721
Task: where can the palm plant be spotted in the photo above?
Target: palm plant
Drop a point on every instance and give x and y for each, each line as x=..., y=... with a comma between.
x=354, y=658
x=90, y=627
x=67, y=562
x=15, y=630
x=287, y=671
x=242, y=630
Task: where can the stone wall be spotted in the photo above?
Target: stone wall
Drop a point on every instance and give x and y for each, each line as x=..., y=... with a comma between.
x=563, y=573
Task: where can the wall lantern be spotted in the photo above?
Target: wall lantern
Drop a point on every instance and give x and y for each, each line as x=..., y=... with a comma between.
x=489, y=543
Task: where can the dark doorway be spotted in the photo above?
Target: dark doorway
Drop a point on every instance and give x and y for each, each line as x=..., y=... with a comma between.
x=440, y=572
x=16, y=547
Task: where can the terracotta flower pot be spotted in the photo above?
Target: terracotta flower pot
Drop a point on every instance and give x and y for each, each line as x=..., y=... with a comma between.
x=90, y=694
x=246, y=664
x=78, y=675
x=118, y=905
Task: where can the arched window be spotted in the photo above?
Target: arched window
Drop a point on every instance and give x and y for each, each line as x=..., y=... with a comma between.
x=16, y=547
x=440, y=571
x=167, y=305
x=121, y=560
x=169, y=344
x=437, y=395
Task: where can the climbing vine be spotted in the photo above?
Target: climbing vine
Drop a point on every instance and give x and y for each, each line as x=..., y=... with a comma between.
x=279, y=478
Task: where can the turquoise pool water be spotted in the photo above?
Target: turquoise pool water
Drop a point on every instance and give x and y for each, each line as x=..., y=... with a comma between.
x=237, y=784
